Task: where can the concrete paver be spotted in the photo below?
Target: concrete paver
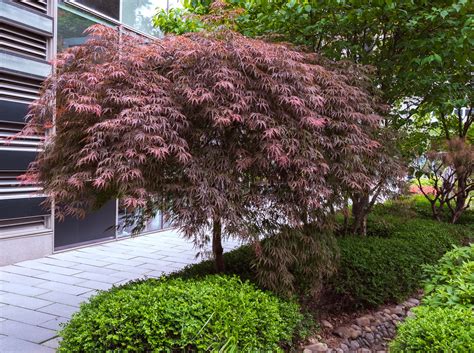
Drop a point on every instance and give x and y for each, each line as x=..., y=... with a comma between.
x=26, y=332
x=37, y=296
x=23, y=301
x=61, y=287
x=14, y=345
x=61, y=298
x=54, y=277
x=58, y=309
x=26, y=316
x=22, y=289
x=53, y=343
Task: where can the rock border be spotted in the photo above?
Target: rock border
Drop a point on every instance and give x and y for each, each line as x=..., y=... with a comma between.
x=368, y=333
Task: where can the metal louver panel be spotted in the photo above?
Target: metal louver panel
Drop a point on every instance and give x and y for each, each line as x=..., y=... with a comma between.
x=22, y=42
x=28, y=225
x=19, y=89
x=38, y=5
x=12, y=187
x=19, y=143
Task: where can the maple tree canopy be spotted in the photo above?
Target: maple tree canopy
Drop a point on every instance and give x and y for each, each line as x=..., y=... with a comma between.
x=207, y=126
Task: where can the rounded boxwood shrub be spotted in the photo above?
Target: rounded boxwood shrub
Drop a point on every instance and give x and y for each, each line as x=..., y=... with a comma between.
x=440, y=329
x=208, y=314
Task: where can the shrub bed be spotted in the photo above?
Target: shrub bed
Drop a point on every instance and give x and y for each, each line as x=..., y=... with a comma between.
x=418, y=207
x=436, y=330
x=375, y=270
x=209, y=314
x=445, y=320
x=386, y=266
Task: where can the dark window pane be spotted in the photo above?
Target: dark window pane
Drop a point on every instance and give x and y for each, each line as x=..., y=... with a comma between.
x=71, y=27
x=109, y=8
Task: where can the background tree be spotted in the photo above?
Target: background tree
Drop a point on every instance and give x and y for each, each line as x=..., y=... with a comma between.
x=230, y=136
x=451, y=175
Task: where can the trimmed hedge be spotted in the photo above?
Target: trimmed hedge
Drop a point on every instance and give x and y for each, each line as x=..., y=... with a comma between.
x=210, y=314
x=376, y=270
x=445, y=320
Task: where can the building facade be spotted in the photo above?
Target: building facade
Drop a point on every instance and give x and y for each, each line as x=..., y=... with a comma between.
x=31, y=33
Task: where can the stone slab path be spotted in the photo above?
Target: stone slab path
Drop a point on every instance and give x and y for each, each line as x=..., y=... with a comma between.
x=36, y=296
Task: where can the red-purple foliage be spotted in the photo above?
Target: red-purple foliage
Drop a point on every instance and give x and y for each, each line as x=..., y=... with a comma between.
x=217, y=129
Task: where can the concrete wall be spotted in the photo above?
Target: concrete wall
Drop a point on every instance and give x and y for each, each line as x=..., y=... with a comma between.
x=25, y=247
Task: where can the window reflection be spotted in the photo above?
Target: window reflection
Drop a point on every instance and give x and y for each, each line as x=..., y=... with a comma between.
x=139, y=14
x=71, y=29
x=156, y=223
x=109, y=8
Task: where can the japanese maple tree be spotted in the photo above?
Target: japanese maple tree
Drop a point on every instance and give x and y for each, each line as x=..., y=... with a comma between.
x=230, y=136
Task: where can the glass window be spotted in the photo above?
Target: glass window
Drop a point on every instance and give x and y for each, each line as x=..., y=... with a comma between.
x=153, y=224
x=71, y=26
x=138, y=14
x=109, y=8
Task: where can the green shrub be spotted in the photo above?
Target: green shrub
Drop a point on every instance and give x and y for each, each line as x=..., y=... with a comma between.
x=436, y=330
x=445, y=320
x=451, y=281
x=424, y=182
x=209, y=314
x=297, y=261
x=375, y=270
x=382, y=227
x=385, y=266
x=237, y=262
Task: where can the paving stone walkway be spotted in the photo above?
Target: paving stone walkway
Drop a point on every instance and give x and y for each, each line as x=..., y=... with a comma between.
x=36, y=296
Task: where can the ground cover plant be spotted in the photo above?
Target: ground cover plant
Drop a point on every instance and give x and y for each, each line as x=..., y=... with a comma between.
x=445, y=320
x=386, y=266
x=216, y=313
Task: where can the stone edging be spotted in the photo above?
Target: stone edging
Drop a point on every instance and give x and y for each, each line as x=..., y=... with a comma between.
x=369, y=333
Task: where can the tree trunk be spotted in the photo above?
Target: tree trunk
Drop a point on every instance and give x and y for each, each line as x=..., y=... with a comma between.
x=460, y=201
x=345, y=212
x=360, y=205
x=435, y=212
x=217, y=249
